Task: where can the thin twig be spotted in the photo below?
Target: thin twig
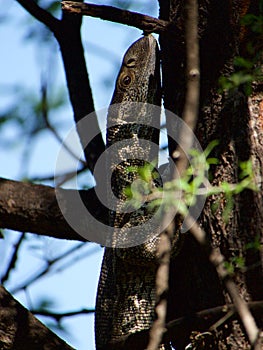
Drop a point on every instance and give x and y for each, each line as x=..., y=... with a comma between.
x=190, y=115
x=79, y=257
x=60, y=178
x=13, y=259
x=45, y=115
x=65, y=146
x=109, y=13
x=190, y=112
x=59, y=315
x=222, y=320
x=33, y=278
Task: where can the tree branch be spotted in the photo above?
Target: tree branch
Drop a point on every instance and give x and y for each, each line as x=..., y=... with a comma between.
x=67, y=33
x=19, y=329
x=34, y=208
x=59, y=315
x=70, y=42
x=109, y=13
x=49, y=126
x=190, y=116
x=40, y=14
x=13, y=259
x=43, y=271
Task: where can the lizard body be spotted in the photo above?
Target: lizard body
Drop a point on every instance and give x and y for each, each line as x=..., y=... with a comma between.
x=126, y=292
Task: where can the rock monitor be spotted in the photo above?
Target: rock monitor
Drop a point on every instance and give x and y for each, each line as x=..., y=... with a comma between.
x=126, y=292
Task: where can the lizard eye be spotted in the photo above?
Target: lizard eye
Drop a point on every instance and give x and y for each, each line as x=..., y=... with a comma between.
x=126, y=80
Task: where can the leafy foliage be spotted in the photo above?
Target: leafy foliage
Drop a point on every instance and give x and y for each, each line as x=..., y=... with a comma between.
x=247, y=69
x=192, y=184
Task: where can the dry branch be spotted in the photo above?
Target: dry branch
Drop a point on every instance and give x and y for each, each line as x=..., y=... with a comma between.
x=190, y=116
x=109, y=13
x=34, y=208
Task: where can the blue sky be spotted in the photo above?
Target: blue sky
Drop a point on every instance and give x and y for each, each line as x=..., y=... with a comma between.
x=21, y=64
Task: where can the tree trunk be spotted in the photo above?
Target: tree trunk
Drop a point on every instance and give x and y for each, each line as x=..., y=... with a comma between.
x=236, y=121
x=20, y=330
x=233, y=118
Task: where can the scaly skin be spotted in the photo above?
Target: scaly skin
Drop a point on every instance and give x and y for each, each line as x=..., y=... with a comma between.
x=126, y=291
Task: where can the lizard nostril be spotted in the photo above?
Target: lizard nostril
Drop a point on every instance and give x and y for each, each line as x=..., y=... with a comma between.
x=131, y=62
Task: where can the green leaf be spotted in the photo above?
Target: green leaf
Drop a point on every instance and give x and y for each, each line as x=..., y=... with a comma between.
x=255, y=245
x=212, y=161
x=229, y=267
x=211, y=147
x=242, y=62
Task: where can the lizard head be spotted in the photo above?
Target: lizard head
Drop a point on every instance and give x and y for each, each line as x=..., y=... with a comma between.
x=139, y=76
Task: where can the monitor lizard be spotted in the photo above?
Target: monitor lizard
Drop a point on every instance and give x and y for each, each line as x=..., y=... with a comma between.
x=126, y=291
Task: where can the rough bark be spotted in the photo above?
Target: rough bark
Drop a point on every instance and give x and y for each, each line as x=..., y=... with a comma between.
x=109, y=13
x=235, y=121
x=34, y=208
x=20, y=330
